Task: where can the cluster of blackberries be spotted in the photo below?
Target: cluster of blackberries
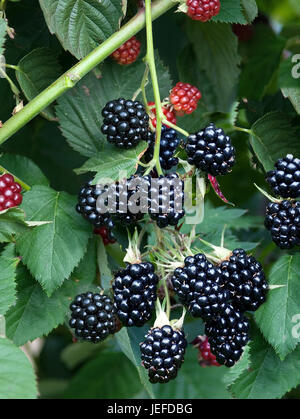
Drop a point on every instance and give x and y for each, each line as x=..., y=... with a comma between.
x=125, y=122
x=135, y=293
x=10, y=192
x=283, y=221
x=220, y=293
x=211, y=151
x=163, y=353
x=162, y=198
x=283, y=217
x=93, y=317
x=168, y=144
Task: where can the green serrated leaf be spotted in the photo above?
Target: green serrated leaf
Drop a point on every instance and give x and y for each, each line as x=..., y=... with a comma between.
x=82, y=26
x=79, y=111
x=37, y=70
x=34, y=314
x=52, y=251
x=275, y=135
x=3, y=26
x=8, y=264
x=241, y=366
x=12, y=221
x=217, y=62
x=24, y=169
x=109, y=376
x=267, y=377
x=276, y=317
x=111, y=161
x=250, y=9
x=17, y=379
x=230, y=12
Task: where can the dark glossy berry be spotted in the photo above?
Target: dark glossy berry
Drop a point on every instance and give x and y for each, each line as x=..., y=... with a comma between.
x=125, y=122
x=184, y=98
x=285, y=179
x=10, y=192
x=203, y=10
x=227, y=336
x=106, y=235
x=198, y=287
x=166, y=200
x=283, y=221
x=244, y=278
x=211, y=150
x=168, y=144
x=128, y=52
x=93, y=317
x=206, y=357
x=135, y=293
x=162, y=353
x=87, y=206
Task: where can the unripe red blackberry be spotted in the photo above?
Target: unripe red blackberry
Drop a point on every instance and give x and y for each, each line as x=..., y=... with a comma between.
x=197, y=285
x=283, y=221
x=184, y=97
x=167, y=111
x=206, y=358
x=135, y=293
x=10, y=192
x=87, y=206
x=244, y=278
x=285, y=179
x=168, y=145
x=162, y=353
x=93, y=317
x=243, y=32
x=211, y=151
x=106, y=235
x=167, y=200
x=125, y=122
x=203, y=10
x=227, y=336
x=128, y=52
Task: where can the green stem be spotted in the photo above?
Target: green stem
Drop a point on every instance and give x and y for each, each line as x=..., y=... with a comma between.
x=175, y=127
x=23, y=184
x=14, y=67
x=248, y=131
x=71, y=77
x=168, y=307
x=150, y=60
x=13, y=87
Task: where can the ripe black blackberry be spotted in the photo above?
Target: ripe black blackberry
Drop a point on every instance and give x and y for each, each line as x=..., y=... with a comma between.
x=87, y=206
x=283, y=221
x=135, y=290
x=162, y=353
x=285, y=179
x=244, y=278
x=211, y=151
x=198, y=287
x=93, y=317
x=227, y=336
x=168, y=144
x=166, y=200
x=125, y=122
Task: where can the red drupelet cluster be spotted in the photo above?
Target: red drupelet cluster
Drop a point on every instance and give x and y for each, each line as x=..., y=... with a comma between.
x=184, y=97
x=169, y=114
x=206, y=358
x=128, y=52
x=105, y=234
x=10, y=192
x=203, y=10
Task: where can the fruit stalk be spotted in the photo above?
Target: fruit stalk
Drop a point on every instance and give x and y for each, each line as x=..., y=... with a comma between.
x=72, y=76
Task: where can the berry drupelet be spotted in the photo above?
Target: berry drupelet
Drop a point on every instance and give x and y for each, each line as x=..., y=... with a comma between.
x=135, y=290
x=166, y=200
x=128, y=52
x=10, y=192
x=162, y=353
x=285, y=179
x=93, y=317
x=184, y=97
x=206, y=358
x=203, y=10
x=283, y=221
x=197, y=285
x=106, y=235
x=244, y=278
x=211, y=151
x=87, y=206
x=125, y=122
x=227, y=336
x=167, y=111
x=168, y=144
